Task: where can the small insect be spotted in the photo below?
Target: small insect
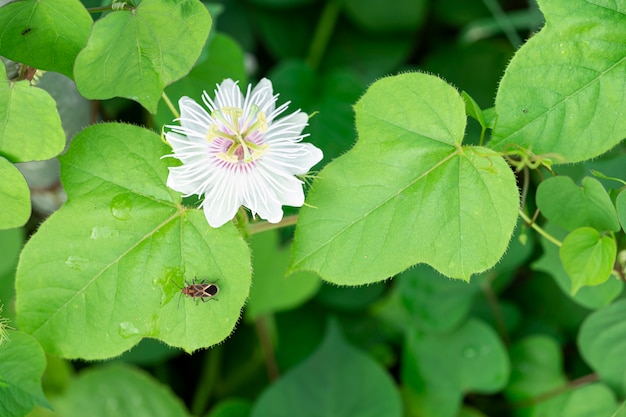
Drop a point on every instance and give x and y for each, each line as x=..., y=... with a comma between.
x=26, y=31
x=202, y=290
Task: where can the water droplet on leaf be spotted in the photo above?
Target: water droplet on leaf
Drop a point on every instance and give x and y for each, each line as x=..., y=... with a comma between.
x=103, y=233
x=127, y=329
x=470, y=352
x=121, y=207
x=76, y=262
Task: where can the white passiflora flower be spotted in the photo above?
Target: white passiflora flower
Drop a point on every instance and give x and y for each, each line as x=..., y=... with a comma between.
x=239, y=153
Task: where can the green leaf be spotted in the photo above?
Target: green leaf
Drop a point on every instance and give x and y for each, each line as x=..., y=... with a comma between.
x=408, y=192
x=14, y=196
x=550, y=263
x=336, y=380
x=30, y=126
x=22, y=362
x=224, y=59
x=378, y=16
x=272, y=291
x=120, y=391
x=590, y=401
x=106, y=269
x=11, y=242
x=620, y=203
x=440, y=368
x=562, y=92
x=536, y=368
x=45, y=34
x=473, y=109
x=602, y=343
x=130, y=55
x=587, y=257
x=571, y=207
x=436, y=304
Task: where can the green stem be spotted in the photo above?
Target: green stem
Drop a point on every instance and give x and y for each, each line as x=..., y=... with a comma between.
x=483, y=129
x=208, y=380
x=538, y=229
x=255, y=228
x=571, y=385
x=169, y=104
x=267, y=348
x=496, y=310
x=323, y=33
x=504, y=22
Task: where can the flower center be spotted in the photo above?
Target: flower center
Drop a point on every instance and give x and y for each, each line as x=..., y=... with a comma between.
x=240, y=132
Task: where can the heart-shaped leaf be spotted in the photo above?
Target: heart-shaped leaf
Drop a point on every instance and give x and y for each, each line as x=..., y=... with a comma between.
x=440, y=368
x=22, y=362
x=30, y=126
x=134, y=39
x=562, y=92
x=602, y=343
x=337, y=380
x=122, y=391
x=570, y=206
x=408, y=192
x=587, y=257
x=107, y=269
x=45, y=34
x=590, y=297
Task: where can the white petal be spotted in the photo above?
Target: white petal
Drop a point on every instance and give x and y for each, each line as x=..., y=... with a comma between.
x=263, y=96
x=221, y=203
x=194, y=119
x=228, y=95
x=289, y=127
x=177, y=180
x=292, y=194
x=297, y=159
x=309, y=156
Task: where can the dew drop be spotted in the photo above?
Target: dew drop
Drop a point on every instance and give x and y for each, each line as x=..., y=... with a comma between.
x=127, y=329
x=76, y=262
x=103, y=233
x=470, y=352
x=121, y=207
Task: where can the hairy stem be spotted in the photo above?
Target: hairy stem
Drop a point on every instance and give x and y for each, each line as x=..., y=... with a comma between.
x=538, y=229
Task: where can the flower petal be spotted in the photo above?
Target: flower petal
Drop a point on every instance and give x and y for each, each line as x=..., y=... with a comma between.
x=263, y=96
x=228, y=94
x=220, y=203
x=179, y=181
x=194, y=119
